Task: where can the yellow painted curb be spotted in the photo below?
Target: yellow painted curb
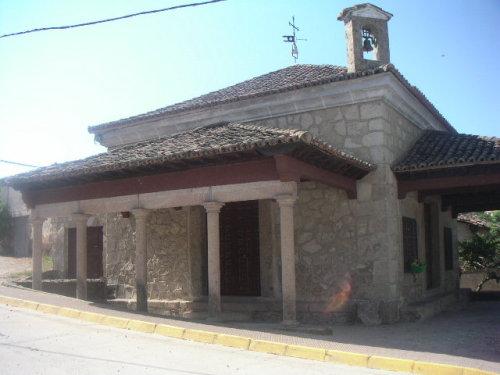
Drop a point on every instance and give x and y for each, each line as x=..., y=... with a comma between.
x=4, y=300
x=11, y=301
x=199, y=336
x=232, y=341
x=347, y=358
x=427, y=368
x=114, y=321
x=48, y=309
x=264, y=346
x=69, y=313
x=305, y=352
x=390, y=364
x=28, y=305
x=336, y=356
x=92, y=317
x=139, y=325
x=169, y=331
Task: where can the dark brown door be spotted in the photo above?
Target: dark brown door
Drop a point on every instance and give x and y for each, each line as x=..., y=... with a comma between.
x=239, y=249
x=94, y=253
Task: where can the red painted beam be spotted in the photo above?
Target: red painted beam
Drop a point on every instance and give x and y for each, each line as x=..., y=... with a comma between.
x=291, y=169
x=251, y=171
x=281, y=167
x=443, y=184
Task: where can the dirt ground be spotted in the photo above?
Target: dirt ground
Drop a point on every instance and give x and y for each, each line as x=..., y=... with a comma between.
x=12, y=267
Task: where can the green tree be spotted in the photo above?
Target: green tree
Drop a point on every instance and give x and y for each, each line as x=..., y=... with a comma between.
x=481, y=253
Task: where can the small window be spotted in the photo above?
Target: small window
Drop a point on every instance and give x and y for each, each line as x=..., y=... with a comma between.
x=448, y=249
x=410, y=243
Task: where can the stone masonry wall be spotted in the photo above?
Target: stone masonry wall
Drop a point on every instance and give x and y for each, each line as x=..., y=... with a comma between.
x=54, y=243
x=169, y=274
x=176, y=245
x=353, y=242
x=348, y=251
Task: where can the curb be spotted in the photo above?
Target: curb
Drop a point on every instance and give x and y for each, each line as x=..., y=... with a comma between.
x=246, y=343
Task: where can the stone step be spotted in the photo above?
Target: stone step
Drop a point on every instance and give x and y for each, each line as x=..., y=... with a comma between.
x=425, y=309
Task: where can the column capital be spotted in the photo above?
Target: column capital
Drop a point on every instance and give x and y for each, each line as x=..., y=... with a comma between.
x=140, y=213
x=286, y=200
x=213, y=206
x=79, y=217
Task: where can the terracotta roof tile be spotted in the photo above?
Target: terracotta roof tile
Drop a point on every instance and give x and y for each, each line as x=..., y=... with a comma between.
x=200, y=143
x=437, y=149
x=472, y=219
x=287, y=79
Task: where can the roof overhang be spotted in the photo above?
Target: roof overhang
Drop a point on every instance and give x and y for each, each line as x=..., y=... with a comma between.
x=272, y=168
x=462, y=189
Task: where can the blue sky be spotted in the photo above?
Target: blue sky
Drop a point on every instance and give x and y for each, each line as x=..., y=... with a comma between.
x=54, y=84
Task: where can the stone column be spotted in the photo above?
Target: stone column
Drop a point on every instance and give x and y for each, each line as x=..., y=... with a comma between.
x=286, y=203
x=80, y=221
x=141, y=258
x=37, y=227
x=213, y=242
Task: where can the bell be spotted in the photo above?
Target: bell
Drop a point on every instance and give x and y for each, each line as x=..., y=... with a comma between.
x=367, y=45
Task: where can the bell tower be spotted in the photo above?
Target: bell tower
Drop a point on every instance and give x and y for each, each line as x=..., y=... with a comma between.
x=367, y=36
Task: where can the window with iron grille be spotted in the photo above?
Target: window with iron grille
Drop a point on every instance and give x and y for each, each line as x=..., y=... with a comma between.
x=448, y=249
x=410, y=243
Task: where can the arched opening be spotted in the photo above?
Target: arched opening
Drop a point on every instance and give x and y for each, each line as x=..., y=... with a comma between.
x=369, y=44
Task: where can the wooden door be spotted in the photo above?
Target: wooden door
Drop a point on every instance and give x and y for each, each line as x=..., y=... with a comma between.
x=239, y=249
x=94, y=253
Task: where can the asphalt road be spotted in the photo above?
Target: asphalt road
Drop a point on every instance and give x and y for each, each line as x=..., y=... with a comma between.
x=35, y=343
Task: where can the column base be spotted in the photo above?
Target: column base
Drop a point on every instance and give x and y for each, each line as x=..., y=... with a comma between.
x=214, y=319
x=142, y=298
x=290, y=323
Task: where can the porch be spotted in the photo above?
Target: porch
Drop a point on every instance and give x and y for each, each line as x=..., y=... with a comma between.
x=227, y=177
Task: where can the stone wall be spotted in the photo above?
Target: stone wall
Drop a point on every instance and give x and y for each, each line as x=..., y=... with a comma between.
x=54, y=243
x=169, y=262
x=355, y=242
x=349, y=252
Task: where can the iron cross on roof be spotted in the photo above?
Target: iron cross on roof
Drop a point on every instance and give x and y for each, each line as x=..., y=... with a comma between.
x=293, y=39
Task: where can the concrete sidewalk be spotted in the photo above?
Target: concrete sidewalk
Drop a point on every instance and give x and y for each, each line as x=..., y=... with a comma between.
x=468, y=338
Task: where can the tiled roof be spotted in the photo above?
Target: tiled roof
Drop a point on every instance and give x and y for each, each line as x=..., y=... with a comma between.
x=435, y=150
x=198, y=144
x=287, y=79
x=472, y=219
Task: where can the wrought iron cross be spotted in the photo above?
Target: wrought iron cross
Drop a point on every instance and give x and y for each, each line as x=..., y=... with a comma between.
x=293, y=39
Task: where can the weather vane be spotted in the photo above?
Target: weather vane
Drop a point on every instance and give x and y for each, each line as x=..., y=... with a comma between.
x=293, y=39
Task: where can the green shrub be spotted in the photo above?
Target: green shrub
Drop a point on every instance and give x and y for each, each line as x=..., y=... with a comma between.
x=481, y=253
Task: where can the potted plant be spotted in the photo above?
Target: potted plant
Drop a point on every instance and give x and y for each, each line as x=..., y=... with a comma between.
x=417, y=267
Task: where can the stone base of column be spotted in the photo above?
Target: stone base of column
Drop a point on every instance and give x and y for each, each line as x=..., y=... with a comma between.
x=81, y=289
x=142, y=298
